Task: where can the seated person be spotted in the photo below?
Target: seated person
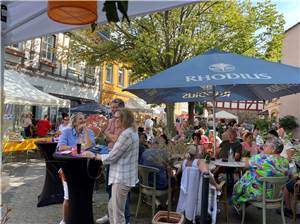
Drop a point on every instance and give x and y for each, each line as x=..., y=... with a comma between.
x=157, y=157
x=189, y=183
x=77, y=132
x=266, y=164
x=249, y=146
x=288, y=153
x=143, y=145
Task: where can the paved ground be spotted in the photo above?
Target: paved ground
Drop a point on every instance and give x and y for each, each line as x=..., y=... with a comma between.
x=26, y=181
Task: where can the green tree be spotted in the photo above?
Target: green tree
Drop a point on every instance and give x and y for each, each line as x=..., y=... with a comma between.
x=155, y=42
x=289, y=123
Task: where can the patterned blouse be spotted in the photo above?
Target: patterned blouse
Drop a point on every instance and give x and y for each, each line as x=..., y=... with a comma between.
x=261, y=165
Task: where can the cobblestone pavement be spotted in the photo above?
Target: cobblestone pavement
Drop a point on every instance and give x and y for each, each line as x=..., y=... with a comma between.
x=26, y=181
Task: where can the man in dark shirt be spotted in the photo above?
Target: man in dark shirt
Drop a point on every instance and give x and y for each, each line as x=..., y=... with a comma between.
x=232, y=143
x=157, y=158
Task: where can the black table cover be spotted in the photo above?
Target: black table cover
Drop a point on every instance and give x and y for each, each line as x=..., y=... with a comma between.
x=80, y=173
x=52, y=192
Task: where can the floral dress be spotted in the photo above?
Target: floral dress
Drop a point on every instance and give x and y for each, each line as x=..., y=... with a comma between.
x=249, y=188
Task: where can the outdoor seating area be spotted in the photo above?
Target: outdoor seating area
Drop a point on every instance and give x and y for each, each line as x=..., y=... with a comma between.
x=178, y=112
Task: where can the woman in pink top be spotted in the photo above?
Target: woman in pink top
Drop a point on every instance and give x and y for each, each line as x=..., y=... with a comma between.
x=249, y=146
x=112, y=132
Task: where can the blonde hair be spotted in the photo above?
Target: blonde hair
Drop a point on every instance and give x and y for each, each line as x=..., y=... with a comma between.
x=191, y=152
x=127, y=118
x=73, y=119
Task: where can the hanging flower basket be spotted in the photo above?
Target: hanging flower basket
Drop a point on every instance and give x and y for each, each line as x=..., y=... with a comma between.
x=161, y=217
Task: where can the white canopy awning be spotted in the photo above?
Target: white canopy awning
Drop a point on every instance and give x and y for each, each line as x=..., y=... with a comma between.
x=18, y=91
x=225, y=115
x=29, y=19
x=138, y=104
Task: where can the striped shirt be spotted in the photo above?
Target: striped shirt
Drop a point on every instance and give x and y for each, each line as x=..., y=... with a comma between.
x=123, y=159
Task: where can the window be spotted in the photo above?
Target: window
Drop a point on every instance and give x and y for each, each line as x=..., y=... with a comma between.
x=109, y=73
x=18, y=46
x=48, y=44
x=121, y=77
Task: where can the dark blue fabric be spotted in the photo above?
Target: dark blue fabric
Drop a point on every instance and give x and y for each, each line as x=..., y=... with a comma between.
x=235, y=78
x=101, y=149
x=155, y=158
x=91, y=108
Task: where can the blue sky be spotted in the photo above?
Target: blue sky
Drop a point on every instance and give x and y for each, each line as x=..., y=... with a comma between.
x=290, y=10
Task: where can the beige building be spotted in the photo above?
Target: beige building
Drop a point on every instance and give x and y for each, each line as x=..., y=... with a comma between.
x=288, y=105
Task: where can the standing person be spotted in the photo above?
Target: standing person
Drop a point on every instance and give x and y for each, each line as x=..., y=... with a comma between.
x=112, y=133
x=43, y=127
x=149, y=128
x=26, y=122
x=123, y=161
x=64, y=124
x=77, y=132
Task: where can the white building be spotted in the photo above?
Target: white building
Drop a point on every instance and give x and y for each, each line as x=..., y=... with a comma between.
x=288, y=105
x=39, y=60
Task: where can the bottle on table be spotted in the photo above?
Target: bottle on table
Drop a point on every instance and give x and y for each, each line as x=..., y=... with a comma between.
x=231, y=155
x=78, y=146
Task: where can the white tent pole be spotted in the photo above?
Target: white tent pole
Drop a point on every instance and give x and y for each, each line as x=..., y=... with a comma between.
x=2, y=61
x=214, y=119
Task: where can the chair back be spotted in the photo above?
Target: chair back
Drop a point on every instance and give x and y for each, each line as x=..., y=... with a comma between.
x=276, y=184
x=146, y=172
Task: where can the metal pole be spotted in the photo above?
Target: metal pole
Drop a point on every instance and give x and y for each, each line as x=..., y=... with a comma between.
x=204, y=198
x=2, y=61
x=214, y=119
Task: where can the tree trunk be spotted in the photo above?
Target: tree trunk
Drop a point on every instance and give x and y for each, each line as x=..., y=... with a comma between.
x=191, y=107
x=170, y=118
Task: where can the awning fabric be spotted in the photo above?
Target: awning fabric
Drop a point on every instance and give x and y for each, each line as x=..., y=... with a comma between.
x=29, y=19
x=225, y=115
x=19, y=91
x=139, y=105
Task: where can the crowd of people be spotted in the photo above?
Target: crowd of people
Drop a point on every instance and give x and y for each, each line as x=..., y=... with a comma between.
x=33, y=128
x=129, y=146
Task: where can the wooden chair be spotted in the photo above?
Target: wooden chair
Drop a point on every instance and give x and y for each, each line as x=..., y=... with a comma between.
x=296, y=199
x=277, y=200
x=145, y=188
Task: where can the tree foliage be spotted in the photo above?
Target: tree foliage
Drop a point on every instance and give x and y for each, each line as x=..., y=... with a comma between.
x=289, y=123
x=158, y=41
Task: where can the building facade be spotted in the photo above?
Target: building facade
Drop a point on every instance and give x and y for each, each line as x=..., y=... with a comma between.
x=39, y=60
x=288, y=105
x=113, y=79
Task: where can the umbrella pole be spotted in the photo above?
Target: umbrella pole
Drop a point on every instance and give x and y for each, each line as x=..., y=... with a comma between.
x=214, y=119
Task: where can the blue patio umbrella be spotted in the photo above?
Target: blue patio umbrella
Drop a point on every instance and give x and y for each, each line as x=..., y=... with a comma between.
x=91, y=108
x=218, y=75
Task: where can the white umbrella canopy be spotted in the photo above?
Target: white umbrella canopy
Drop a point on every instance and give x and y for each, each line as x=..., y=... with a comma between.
x=29, y=19
x=225, y=115
x=19, y=91
x=138, y=104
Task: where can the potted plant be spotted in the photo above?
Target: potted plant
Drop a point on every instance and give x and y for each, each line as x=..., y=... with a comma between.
x=166, y=217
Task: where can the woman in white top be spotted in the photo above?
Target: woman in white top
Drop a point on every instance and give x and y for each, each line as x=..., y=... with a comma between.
x=64, y=124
